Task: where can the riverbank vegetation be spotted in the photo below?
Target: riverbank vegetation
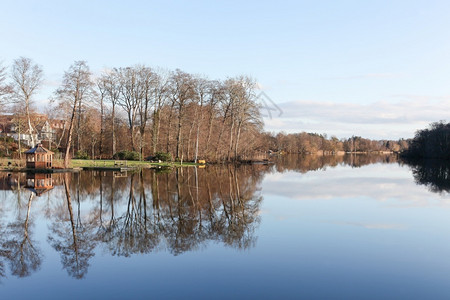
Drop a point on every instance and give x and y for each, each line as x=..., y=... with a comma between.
x=143, y=112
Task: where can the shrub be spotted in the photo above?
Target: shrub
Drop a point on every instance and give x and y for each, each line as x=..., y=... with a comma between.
x=81, y=155
x=126, y=155
x=119, y=155
x=132, y=155
x=162, y=156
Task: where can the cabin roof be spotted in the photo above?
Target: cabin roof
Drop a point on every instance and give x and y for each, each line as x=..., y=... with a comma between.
x=39, y=149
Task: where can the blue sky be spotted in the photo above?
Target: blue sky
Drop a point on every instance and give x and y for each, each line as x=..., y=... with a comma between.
x=378, y=69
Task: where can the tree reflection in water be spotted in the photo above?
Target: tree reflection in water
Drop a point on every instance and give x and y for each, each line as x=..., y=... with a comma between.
x=185, y=211
x=23, y=257
x=72, y=238
x=179, y=210
x=175, y=210
x=435, y=174
x=307, y=163
x=17, y=245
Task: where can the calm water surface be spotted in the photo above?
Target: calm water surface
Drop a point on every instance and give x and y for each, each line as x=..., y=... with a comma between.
x=362, y=227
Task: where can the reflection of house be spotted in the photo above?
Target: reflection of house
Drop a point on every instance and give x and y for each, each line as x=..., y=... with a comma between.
x=39, y=157
x=43, y=129
x=39, y=183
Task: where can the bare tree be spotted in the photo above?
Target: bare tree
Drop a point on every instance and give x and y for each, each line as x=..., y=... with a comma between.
x=160, y=98
x=5, y=89
x=182, y=91
x=129, y=89
x=109, y=83
x=216, y=93
x=146, y=81
x=27, y=77
x=76, y=86
x=101, y=85
x=202, y=89
x=247, y=110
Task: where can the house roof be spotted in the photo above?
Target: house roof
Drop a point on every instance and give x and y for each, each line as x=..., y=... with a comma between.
x=39, y=149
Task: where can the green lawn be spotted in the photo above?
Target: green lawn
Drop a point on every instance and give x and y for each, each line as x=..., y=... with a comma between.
x=79, y=163
x=6, y=163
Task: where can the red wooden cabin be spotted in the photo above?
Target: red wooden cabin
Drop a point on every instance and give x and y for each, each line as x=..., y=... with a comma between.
x=39, y=158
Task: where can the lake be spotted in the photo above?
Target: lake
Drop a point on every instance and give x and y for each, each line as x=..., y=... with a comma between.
x=331, y=227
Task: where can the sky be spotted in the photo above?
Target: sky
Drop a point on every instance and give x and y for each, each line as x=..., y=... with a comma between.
x=377, y=69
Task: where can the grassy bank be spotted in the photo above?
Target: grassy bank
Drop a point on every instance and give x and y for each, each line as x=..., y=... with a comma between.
x=7, y=163
x=79, y=163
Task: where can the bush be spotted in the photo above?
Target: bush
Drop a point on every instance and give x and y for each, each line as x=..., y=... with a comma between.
x=126, y=155
x=81, y=155
x=162, y=156
x=132, y=155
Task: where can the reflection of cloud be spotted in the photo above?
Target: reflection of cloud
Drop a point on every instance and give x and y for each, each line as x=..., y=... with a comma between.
x=390, y=184
x=373, y=225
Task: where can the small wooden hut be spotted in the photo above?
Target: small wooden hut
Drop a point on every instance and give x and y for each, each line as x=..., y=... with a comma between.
x=39, y=158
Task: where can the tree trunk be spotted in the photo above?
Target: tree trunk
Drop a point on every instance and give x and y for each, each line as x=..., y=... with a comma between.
x=237, y=141
x=113, y=130
x=189, y=140
x=30, y=128
x=101, y=127
x=142, y=142
x=155, y=130
x=20, y=146
x=180, y=124
x=69, y=137
x=169, y=125
x=208, y=138
x=222, y=129
x=230, y=146
x=131, y=130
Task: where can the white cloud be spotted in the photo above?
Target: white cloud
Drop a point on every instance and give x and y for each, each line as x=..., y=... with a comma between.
x=380, y=120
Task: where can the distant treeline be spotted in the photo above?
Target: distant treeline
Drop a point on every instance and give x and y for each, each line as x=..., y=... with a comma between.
x=432, y=142
x=312, y=143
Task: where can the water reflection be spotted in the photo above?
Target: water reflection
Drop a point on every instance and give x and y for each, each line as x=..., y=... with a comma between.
x=303, y=164
x=316, y=234
x=18, y=246
x=72, y=238
x=39, y=183
x=435, y=174
x=125, y=214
